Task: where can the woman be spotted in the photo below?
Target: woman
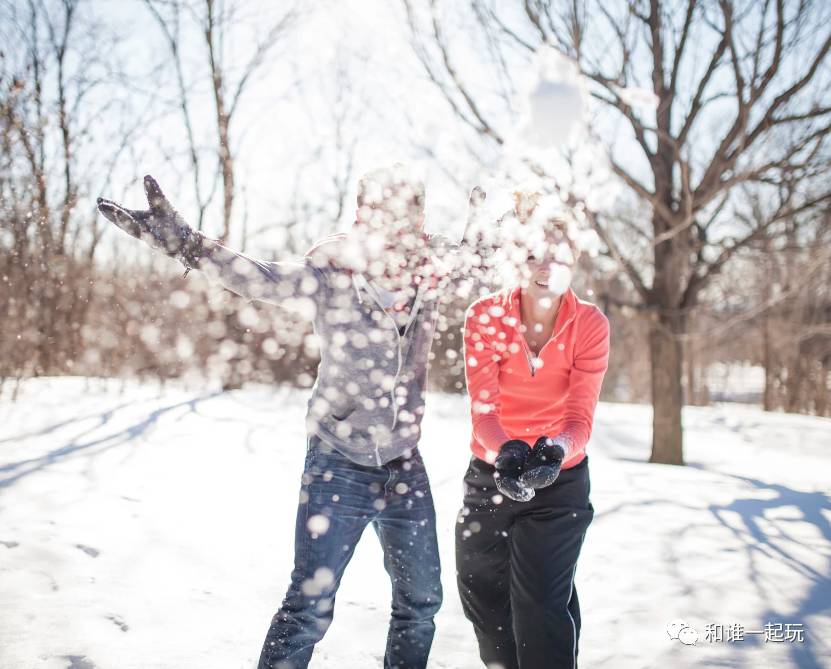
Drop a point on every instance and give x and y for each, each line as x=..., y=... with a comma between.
x=535, y=359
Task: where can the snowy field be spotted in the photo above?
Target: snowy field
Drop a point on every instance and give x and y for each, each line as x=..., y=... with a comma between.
x=143, y=528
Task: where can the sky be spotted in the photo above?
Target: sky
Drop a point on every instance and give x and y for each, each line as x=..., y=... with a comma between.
x=349, y=63
x=356, y=53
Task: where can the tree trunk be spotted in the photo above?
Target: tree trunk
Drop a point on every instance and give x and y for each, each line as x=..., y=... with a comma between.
x=822, y=399
x=694, y=395
x=796, y=371
x=768, y=401
x=666, y=361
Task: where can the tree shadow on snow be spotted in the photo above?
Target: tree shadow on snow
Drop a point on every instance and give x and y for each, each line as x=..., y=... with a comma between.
x=103, y=418
x=14, y=471
x=761, y=544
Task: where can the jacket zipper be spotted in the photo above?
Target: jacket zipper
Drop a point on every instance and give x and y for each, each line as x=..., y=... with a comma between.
x=413, y=314
x=529, y=357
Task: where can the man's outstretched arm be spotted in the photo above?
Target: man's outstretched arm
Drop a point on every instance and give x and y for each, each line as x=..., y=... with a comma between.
x=163, y=228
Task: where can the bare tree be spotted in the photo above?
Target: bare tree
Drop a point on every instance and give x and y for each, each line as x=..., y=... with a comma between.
x=52, y=157
x=742, y=99
x=213, y=23
x=793, y=279
x=228, y=81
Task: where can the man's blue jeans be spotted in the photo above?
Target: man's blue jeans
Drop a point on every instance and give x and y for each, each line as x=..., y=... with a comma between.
x=338, y=499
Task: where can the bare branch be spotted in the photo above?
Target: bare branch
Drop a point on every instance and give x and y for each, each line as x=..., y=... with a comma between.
x=699, y=280
x=679, y=50
x=484, y=125
x=477, y=123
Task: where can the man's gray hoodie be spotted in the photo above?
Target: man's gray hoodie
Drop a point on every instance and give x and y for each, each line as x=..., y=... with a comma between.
x=369, y=396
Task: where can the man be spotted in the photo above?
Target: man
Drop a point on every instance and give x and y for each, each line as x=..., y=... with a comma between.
x=374, y=292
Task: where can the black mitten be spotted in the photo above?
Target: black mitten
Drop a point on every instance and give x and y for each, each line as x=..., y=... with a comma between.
x=543, y=465
x=510, y=463
x=160, y=226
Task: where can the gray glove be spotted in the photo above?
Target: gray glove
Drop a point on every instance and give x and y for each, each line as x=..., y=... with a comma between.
x=160, y=226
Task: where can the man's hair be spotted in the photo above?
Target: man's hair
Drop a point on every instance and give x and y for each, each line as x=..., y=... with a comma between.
x=526, y=203
x=387, y=182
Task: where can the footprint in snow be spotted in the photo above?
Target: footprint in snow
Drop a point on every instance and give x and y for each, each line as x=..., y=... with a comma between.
x=89, y=550
x=119, y=621
x=10, y=544
x=79, y=662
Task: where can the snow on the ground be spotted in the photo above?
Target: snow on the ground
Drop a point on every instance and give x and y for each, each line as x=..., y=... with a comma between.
x=152, y=528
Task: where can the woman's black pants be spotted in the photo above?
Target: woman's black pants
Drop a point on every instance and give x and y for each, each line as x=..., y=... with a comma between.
x=515, y=565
